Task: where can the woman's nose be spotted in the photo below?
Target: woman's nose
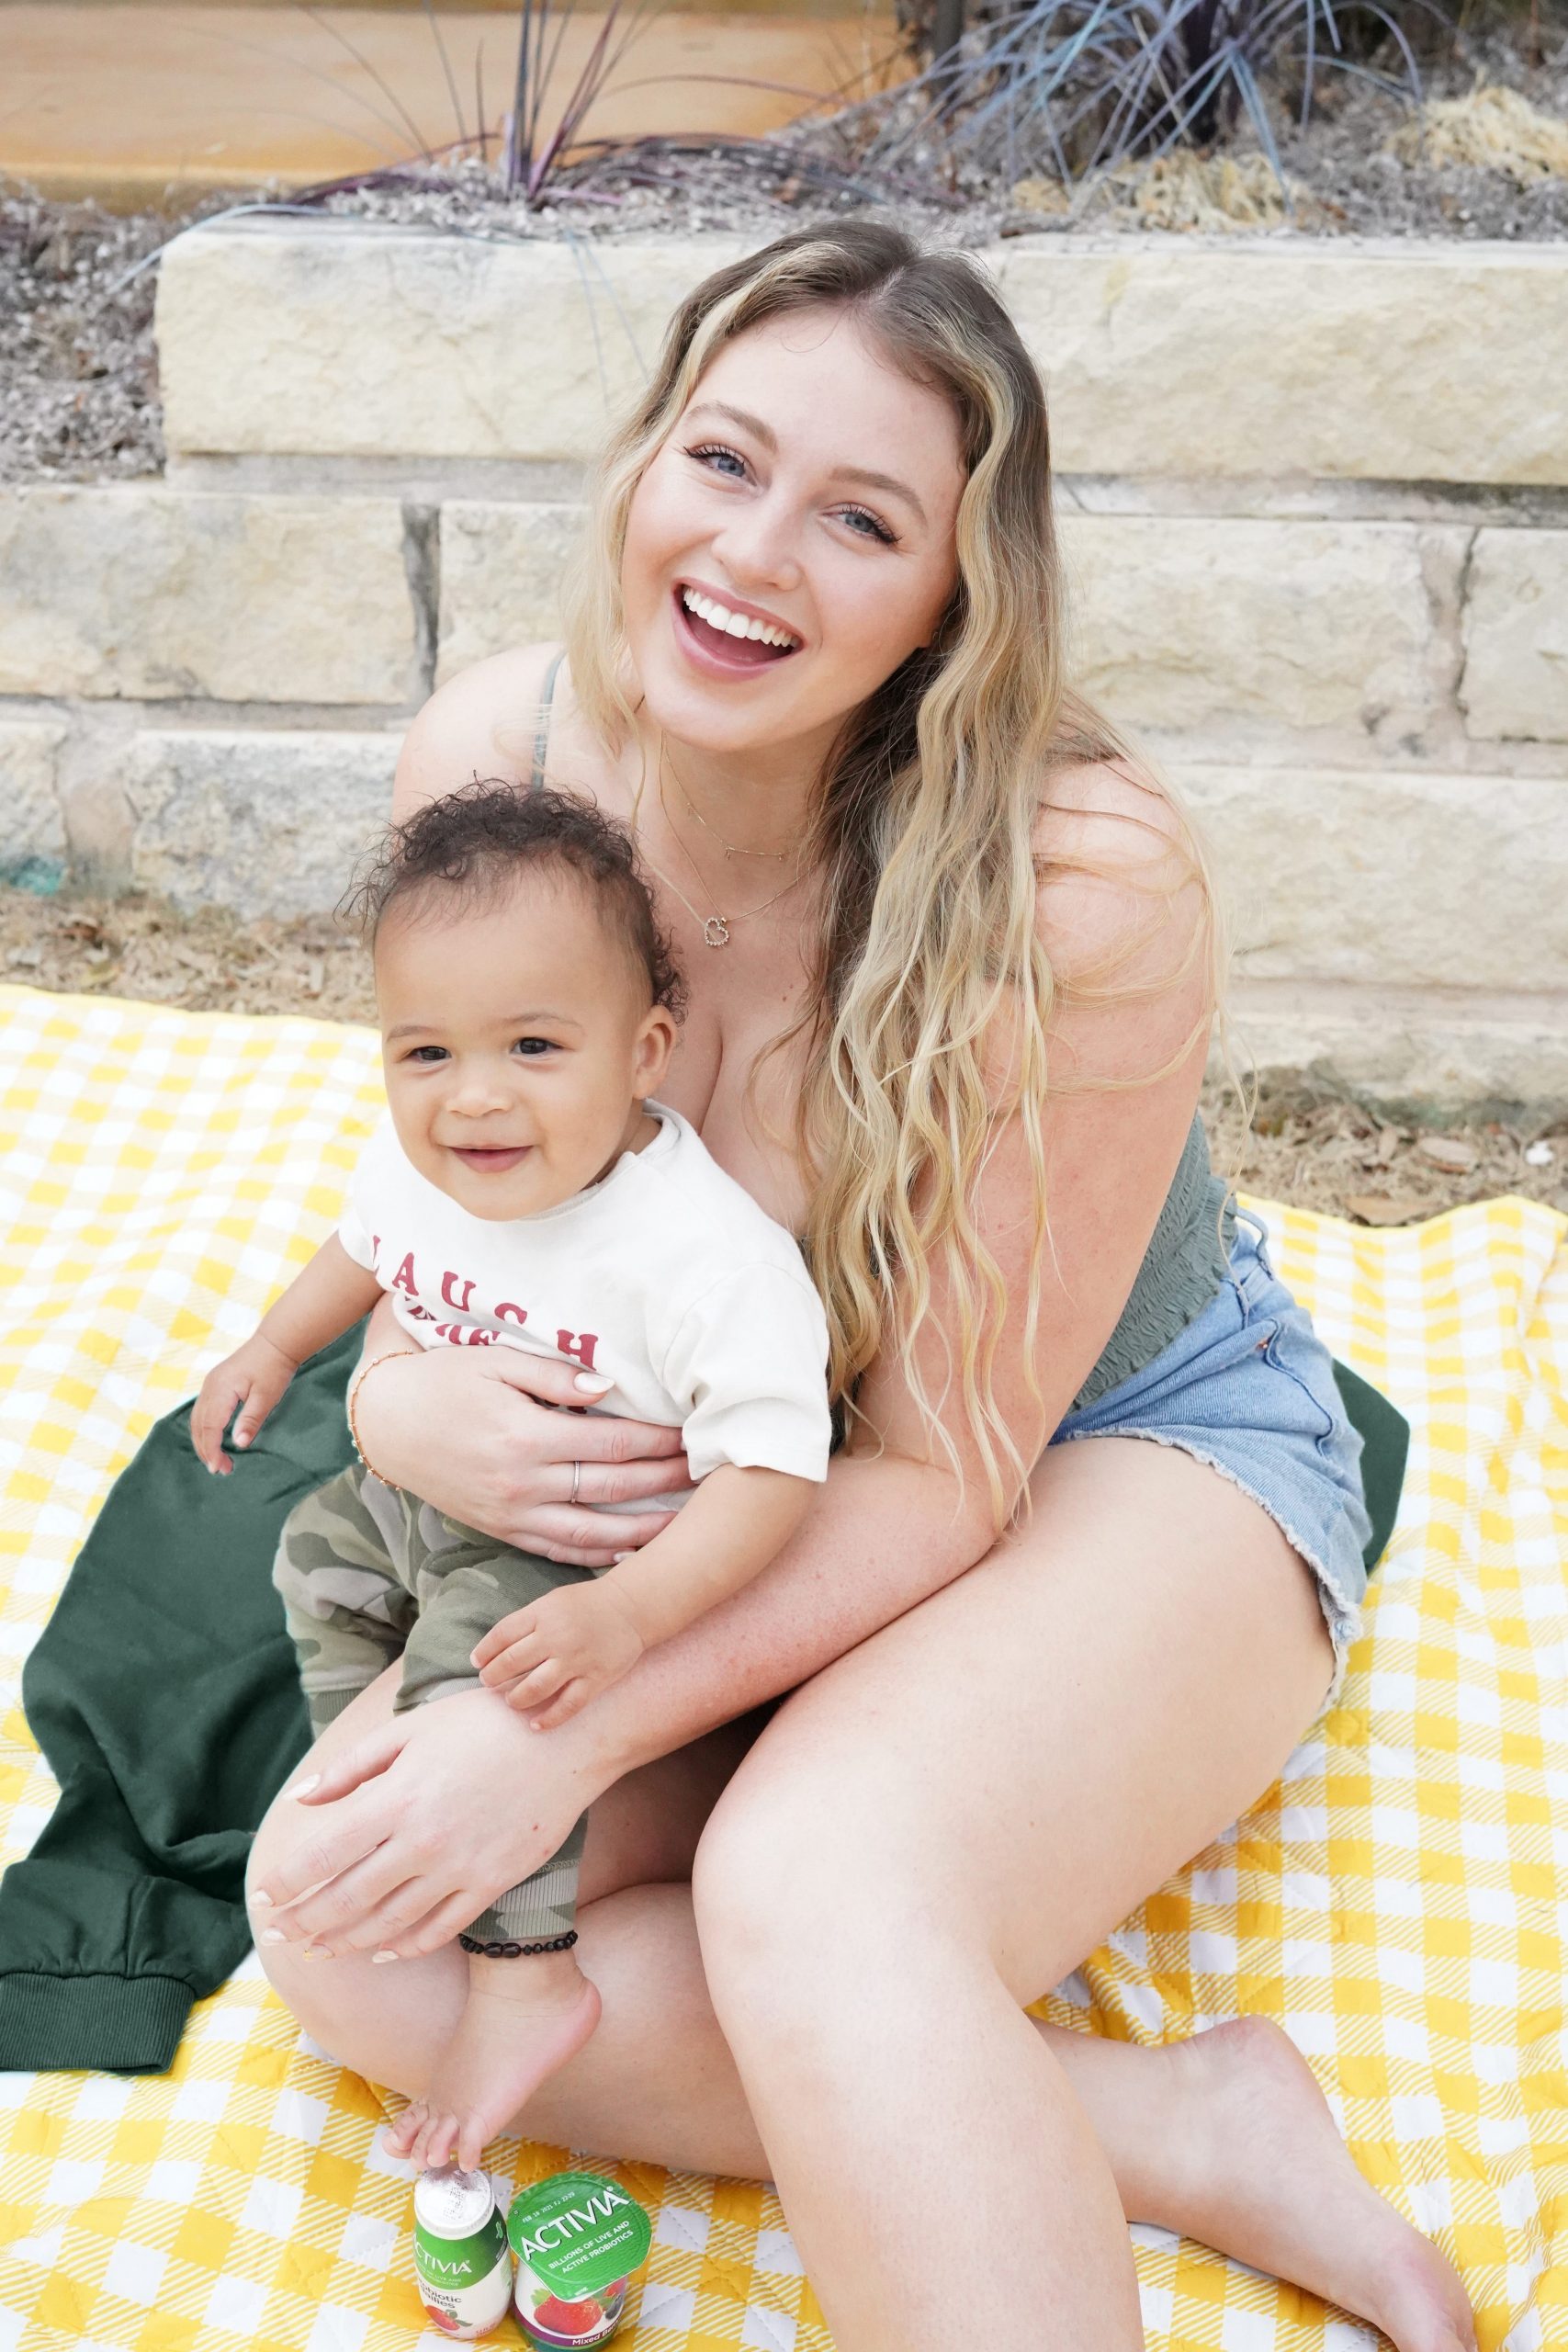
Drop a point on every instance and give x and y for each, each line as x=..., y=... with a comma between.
x=760, y=548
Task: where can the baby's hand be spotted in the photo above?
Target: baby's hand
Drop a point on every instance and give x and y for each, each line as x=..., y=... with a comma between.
x=564, y=1648
x=254, y=1377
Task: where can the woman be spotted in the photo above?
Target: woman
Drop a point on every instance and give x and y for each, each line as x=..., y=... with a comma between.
x=950, y=957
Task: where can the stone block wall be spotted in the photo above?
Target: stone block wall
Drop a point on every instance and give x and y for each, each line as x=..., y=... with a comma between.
x=1315, y=510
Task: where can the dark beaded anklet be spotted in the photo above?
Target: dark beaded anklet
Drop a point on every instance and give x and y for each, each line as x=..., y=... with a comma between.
x=517, y=1952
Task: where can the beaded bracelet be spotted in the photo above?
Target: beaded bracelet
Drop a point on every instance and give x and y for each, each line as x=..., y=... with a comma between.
x=354, y=1385
x=517, y=1952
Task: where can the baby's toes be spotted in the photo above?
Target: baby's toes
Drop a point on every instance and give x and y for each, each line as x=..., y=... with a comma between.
x=400, y=2135
x=470, y=2143
x=442, y=2141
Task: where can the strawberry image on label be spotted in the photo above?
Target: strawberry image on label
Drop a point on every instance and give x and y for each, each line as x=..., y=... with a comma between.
x=577, y=2237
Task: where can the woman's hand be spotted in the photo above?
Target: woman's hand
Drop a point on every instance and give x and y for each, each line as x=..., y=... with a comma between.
x=472, y=1431
x=402, y=1840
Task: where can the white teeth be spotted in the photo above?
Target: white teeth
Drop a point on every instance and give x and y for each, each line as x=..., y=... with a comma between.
x=719, y=617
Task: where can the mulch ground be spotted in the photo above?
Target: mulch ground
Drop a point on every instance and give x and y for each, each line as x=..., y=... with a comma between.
x=1330, y=1155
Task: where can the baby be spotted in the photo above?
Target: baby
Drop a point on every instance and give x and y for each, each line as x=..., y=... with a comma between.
x=528, y=1192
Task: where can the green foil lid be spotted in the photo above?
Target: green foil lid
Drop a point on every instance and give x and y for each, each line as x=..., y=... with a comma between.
x=578, y=2232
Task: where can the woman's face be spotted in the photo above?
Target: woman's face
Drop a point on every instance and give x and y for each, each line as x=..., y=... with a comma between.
x=810, y=490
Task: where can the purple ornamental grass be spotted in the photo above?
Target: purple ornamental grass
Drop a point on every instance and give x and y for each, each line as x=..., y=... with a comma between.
x=1083, y=86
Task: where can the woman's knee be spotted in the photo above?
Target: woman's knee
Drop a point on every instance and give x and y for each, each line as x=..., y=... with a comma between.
x=791, y=1874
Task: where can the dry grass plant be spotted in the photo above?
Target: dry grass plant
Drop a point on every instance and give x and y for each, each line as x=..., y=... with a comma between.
x=1491, y=128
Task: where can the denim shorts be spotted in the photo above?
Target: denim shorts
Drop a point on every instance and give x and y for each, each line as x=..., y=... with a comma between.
x=1248, y=1387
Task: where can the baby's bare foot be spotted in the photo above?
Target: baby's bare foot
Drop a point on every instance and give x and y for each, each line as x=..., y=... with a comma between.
x=524, y=2019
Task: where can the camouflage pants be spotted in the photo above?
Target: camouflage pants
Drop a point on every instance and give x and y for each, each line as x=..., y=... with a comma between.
x=368, y=1574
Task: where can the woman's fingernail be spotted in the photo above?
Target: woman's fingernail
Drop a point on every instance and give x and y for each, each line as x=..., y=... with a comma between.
x=259, y=1899
x=303, y=1787
x=595, y=1380
x=273, y=1936
x=620, y=1557
x=378, y=1958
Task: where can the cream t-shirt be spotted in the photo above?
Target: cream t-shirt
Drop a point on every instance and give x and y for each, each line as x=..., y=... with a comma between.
x=665, y=1275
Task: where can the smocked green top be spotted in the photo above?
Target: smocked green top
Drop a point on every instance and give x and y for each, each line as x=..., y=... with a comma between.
x=1185, y=1261
x=1183, y=1267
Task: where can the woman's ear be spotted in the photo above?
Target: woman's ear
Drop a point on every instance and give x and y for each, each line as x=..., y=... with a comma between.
x=650, y=1055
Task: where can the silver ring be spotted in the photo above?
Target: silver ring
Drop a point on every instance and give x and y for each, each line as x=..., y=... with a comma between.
x=576, y=1479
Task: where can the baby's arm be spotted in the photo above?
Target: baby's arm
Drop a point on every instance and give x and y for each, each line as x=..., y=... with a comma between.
x=575, y=1641
x=319, y=1305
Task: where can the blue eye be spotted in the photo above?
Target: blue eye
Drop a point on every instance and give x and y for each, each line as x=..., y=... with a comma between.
x=877, y=528
x=708, y=450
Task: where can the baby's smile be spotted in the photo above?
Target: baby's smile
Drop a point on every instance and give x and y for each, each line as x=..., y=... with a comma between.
x=491, y=1159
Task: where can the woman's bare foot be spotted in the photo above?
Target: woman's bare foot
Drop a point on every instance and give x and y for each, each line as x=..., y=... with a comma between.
x=522, y=2020
x=1265, y=2177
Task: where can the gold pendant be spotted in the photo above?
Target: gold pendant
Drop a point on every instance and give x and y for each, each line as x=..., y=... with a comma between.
x=715, y=930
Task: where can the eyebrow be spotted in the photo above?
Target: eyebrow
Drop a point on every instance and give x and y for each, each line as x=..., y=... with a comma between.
x=770, y=441
x=535, y=1013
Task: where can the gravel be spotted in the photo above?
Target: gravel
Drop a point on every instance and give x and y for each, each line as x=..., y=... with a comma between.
x=1320, y=1154
x=78, y=374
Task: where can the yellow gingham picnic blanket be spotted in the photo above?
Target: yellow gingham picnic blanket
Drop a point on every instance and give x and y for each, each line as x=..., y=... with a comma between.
x=1397, y=1901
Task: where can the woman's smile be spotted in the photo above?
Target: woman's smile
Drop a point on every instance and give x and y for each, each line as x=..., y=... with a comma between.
x=726, y=636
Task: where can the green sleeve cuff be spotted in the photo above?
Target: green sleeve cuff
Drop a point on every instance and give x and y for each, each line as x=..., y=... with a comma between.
x=118, y=2025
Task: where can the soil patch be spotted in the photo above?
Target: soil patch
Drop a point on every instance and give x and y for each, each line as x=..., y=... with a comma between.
x=1329, y=1155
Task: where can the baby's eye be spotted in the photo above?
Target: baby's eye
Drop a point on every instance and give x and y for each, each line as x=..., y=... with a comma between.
x=428, y=1053
x=534, y=1046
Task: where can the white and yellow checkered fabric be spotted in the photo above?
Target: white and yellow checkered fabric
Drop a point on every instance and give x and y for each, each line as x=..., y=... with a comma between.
x=1396, y=1902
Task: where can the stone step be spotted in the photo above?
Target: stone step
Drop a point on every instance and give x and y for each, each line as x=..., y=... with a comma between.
x=1341, y=883
x=1325, y=640
x=129, y=103
x=1228, y=360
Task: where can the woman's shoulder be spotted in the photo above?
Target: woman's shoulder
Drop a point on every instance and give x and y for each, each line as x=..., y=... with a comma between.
x=1113, y=849
x=480, y=723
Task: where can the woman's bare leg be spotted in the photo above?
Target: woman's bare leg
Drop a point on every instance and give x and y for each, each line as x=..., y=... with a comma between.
x=1224, y=2137
x=938, y=1827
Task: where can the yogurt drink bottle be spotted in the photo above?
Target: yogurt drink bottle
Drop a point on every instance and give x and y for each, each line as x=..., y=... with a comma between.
x=577, y=2237
x=460, y=2254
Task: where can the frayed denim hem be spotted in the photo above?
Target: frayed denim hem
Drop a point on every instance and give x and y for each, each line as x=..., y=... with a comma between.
x=1341, y=1614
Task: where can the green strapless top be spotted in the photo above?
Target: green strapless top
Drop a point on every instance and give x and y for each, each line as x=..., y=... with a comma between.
x=1183, y=1267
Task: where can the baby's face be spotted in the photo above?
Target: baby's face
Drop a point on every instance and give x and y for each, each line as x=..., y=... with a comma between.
x=518, y=1044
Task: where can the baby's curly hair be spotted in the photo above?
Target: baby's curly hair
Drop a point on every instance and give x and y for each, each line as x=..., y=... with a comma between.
x=476, y=841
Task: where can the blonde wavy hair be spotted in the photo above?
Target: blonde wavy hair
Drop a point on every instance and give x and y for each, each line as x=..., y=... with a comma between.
x=926, y=821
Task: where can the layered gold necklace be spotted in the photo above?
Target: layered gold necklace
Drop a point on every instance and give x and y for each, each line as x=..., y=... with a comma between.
x=716, y=927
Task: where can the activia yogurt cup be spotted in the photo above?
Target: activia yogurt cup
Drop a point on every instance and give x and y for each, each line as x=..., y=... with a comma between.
x=577, y=2237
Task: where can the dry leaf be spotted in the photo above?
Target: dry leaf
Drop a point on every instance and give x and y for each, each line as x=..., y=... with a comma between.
x=1450, y=1153
x=1374, y=1208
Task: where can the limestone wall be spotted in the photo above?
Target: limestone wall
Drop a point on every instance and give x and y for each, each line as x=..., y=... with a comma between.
x=1315, y=504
